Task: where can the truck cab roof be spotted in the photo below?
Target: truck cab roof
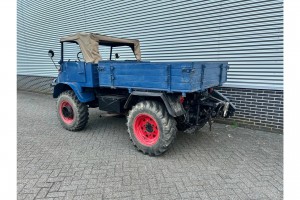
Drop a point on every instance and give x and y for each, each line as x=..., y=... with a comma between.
x=89, y=44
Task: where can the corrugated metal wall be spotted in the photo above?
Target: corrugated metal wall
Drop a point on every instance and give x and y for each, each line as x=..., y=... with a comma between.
x=247, y=33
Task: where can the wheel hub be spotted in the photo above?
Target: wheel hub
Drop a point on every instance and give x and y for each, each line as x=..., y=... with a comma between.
x=146, y=129
x=67, y=111
x=149, y=127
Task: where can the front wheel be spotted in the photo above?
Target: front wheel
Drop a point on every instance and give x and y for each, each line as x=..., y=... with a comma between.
x=151, y=128
x=72, y=114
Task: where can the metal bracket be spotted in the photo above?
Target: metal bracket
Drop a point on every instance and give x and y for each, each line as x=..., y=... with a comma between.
x=202, y=75
x=112, y=77
x=100, y=69
x=188, y=70
x=221, y=74
x=225, y=109
x=169, y=77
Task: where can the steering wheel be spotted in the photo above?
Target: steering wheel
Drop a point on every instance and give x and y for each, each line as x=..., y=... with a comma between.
x=78, y=56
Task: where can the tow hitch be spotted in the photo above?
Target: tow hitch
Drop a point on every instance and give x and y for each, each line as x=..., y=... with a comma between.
x=203, y=109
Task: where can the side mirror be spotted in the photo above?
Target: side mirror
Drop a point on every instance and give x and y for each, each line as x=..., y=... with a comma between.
x=117, y=56
x=50, y=53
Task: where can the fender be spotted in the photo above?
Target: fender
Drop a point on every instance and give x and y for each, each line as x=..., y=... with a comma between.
x=174, y=107
x=82, y=96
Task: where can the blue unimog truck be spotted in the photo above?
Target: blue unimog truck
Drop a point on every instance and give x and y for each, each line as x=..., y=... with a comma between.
x=158, y=98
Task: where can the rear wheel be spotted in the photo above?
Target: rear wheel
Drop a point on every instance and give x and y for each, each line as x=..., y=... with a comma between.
x=151, y=128
x=72, y=114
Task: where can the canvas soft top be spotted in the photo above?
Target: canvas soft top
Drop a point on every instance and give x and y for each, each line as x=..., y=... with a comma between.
x=89, y=44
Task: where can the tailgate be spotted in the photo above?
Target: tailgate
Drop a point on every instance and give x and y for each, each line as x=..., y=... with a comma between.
x=213, y=74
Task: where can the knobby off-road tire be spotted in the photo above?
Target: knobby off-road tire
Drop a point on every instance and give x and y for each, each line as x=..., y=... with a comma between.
x=72, y=114
x=151, y=129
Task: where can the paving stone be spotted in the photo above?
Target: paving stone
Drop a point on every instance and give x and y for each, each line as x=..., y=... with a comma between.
x=101, y=163
x=43, y=193
x=56, y=194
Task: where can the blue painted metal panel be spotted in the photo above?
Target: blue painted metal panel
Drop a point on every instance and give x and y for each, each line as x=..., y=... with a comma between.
x=74, y=71
x=78, y=89
x=80, y=72
x=92, y=75
x=133, y=75
x=163, y=76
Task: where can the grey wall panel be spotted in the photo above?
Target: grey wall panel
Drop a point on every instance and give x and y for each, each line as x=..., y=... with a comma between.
x=247, y=33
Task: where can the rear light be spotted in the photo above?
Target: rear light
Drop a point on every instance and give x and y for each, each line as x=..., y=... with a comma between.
x=181, y=99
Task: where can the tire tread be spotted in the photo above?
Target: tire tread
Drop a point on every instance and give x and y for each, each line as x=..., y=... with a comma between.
x=82, y=109
x=168, y=126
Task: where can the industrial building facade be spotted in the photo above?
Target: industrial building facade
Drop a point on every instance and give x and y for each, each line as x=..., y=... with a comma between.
x=246, y=33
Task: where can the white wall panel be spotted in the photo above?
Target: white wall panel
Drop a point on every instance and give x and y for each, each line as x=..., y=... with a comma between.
x=246, y=33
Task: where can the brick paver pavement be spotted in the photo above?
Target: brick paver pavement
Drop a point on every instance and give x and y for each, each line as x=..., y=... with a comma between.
x=101, y=163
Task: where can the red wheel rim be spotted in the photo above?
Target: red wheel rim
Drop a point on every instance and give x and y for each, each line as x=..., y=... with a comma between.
x=146, y=129
x=66, y=112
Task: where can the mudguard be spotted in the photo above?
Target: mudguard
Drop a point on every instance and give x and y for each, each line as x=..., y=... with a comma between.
x=174, y=107
x=82, y=96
